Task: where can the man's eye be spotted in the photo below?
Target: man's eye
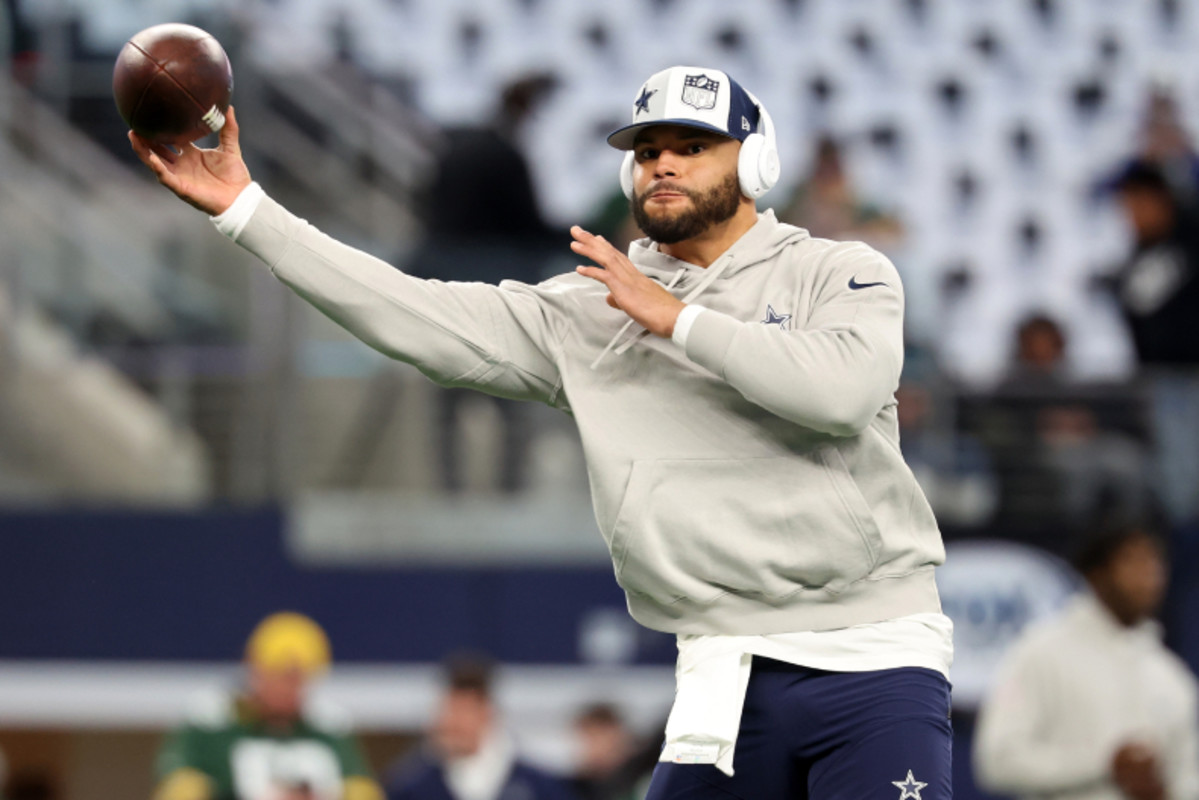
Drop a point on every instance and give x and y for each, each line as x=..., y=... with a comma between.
x=646, y=155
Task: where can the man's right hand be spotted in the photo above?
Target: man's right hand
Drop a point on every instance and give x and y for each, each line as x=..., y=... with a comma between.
x=1136, y=771
x=210, y=180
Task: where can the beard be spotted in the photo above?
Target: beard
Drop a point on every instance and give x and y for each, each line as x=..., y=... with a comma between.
x=708, y=208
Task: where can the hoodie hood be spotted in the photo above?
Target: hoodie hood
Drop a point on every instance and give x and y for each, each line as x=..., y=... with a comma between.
x=760, y=243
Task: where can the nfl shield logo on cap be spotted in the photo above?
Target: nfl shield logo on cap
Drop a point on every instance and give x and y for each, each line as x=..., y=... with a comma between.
x=694, y=97
x=699, y=91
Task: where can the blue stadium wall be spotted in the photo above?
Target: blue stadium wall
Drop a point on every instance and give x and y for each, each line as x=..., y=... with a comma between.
x=189, y=587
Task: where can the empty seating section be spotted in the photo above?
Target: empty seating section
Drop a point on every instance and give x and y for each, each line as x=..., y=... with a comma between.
x=984, y=126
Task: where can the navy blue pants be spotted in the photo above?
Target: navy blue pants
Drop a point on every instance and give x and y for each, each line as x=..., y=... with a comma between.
x=807, y=734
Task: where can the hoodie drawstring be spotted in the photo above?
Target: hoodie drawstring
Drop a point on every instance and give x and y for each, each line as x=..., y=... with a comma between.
x=711, y=274
x=673, y=281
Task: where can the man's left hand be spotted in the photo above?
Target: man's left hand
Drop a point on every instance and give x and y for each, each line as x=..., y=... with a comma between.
x=647, y=302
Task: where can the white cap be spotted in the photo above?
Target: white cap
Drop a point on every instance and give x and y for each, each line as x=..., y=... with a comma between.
x=695, y=97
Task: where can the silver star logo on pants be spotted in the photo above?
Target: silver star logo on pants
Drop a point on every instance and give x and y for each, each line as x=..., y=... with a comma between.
x=909, y=788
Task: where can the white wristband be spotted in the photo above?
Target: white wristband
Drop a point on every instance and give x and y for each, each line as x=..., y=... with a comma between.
x=233, y=220
x=682, y=325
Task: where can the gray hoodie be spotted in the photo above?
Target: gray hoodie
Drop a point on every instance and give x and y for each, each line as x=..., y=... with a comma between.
x=750, y=484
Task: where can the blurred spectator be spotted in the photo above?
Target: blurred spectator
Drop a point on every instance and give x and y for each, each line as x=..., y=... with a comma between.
x=1165, y=144
x=952, y=467
x=1091, y=705
x=827, y=205
x=1006, y=424
x=605, y=743
x=482, y=201
x=483, y=223
x=1096, y=471
x=1040, y=356
x=469, y=755
x=1158, y=286
x=1060, y=457
x=613, y=764
x=1158, y=290
x=265, y=742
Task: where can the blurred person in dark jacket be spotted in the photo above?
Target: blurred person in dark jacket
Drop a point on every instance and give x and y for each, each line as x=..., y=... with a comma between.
x=614, y=764
x=482, y=197
x=482, y=222
x=1158, y=291
x=1163, y=142
x=469, y=755
x=1158, y=285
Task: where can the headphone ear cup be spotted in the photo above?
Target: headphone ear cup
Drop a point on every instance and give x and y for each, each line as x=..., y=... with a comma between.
x=770, y=167
x=626, y=175
x=757, y=166
x=747, y=165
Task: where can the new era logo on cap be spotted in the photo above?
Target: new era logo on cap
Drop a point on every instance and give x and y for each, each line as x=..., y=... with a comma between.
x=696, y=97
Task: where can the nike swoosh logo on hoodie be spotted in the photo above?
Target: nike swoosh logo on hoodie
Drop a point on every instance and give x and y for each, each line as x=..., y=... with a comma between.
x=853, y=284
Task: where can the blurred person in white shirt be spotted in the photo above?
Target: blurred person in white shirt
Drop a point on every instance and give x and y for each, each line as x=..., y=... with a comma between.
x=1091, y=705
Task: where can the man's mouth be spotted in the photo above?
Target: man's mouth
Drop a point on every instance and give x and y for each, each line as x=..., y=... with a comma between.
x=664, y=188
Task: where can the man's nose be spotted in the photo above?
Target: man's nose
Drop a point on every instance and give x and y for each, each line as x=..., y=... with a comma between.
x=667, y=165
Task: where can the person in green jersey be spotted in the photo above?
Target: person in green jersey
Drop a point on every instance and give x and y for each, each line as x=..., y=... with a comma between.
x=265, y=742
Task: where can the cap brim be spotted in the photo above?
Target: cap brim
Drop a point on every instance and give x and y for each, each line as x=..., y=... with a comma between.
x=623, y=138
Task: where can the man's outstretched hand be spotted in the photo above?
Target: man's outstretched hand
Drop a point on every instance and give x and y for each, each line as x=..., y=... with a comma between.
x=647, y=302
x=210, y=180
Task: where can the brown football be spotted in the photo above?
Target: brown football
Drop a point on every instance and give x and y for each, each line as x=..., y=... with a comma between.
x=173, y=83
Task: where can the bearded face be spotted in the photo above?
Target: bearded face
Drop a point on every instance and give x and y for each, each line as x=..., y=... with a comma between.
x=707, y=208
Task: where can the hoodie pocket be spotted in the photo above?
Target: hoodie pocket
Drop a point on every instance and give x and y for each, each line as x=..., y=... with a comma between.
x=769, y=527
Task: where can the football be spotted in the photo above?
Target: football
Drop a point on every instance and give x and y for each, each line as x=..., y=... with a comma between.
x=173, y=84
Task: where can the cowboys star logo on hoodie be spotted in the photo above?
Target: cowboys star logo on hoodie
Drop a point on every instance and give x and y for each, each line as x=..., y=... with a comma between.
x=775, y=318
x=699, y=91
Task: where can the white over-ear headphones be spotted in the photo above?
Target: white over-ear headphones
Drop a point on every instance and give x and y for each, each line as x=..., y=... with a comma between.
x=757, y=166
x=626, y=173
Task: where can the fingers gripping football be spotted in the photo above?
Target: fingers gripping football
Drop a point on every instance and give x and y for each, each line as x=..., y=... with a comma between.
x=209, y=179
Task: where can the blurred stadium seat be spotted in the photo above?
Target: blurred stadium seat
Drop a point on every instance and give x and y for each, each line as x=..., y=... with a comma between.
x=984, y=128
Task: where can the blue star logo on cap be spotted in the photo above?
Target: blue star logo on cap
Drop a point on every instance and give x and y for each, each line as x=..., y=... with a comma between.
x=642, y=102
